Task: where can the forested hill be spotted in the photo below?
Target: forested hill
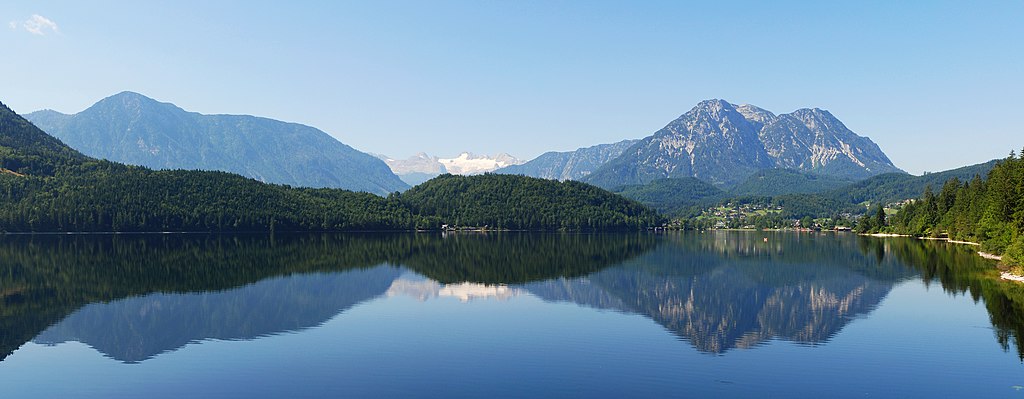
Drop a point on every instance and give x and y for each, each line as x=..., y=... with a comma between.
x=774, y=182
x=519, y=202
x=673, y=196
x=26, y=150
x=893, y=187
x=47, y=186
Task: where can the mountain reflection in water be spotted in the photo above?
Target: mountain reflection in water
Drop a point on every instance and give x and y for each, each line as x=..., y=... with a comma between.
x=135, y=297
x=735, y=291
x=138, y=328
x=423, y=289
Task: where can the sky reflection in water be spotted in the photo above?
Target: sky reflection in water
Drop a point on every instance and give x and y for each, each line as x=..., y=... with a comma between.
x=504, y=315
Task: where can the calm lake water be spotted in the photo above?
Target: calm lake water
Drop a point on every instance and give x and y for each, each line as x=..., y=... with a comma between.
x=723, y=314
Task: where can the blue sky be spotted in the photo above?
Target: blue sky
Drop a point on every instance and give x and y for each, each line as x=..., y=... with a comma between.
x=936, y=84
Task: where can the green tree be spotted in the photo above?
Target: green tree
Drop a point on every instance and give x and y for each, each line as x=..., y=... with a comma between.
x=879, y=217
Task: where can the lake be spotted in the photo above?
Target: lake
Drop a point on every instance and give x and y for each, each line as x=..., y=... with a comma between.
x=715, y=314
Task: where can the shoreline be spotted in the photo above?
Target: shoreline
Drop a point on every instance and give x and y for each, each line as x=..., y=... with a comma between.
x=1011, y=277
x=987, y=255
x=1003, y=275
x=954, y=242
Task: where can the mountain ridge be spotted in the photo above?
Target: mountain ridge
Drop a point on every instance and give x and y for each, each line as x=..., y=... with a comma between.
x=132, y=128
x=722, y=144
x=569, y=165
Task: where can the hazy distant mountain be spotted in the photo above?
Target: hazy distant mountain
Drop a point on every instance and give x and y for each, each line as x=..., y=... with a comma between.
x=415, y=169
x=419, y=163
x=723, y=144
x=134, y=129
x=422, y=167
x=569, y=165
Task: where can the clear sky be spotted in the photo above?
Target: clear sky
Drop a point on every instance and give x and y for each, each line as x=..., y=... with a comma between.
x=936, y=84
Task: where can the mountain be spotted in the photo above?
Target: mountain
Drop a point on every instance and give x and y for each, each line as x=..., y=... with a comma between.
x=570, y=165
x=468, y=163
x=45, y=186
x=422, y=167
x=137, y=130
x=48, y=186
x=26, y=150
x=415, y=169
x=419, y=163
x=723, y=144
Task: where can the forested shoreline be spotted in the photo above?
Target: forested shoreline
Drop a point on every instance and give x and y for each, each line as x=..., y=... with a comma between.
x=988, y=211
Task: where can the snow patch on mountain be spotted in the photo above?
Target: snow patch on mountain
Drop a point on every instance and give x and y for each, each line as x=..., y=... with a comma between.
x=422, y=167
x=470, y=164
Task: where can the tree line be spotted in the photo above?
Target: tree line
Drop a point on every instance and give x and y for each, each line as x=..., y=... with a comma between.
x=45, y=186
x=99, y=196
x=989, y=211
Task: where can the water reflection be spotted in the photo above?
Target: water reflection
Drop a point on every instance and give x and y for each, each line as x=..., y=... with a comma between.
x=423, y=289
x=103, y=289
x=733, y=290
x=138, y=328
x=135, y=297
x=960, y=272
x=725, y=310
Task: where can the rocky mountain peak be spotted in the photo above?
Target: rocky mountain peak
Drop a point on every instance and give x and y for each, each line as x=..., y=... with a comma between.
x=126, y=98
x=714, y=116
x=507, y=159
x=818, y=119
x=714, y=107
x=722, y=144
x=134, y=104
x=755, y=114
